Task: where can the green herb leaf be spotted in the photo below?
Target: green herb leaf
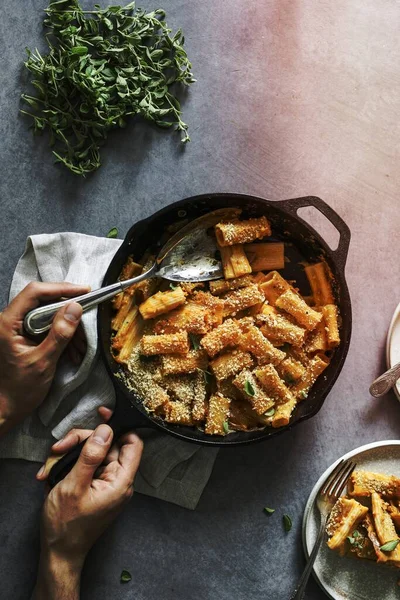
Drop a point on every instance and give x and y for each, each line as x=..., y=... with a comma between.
x=173, y=286
x=249, y=389
x=207, y=376
x=269, y=511
x=287, y=523
x=79, y=50
x=351, y=540
x=226, y=427
x=194, y=340
x=390, y=546
x=113, y=233
x=102, y=67
x=125, y=576
x=270, y=412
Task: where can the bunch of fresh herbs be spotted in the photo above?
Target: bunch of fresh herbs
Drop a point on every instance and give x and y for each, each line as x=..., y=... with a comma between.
x=103, y=66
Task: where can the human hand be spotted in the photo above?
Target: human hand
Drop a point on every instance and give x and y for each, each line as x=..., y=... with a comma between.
x=80, y=507
x=27, y=367
x=68, y=442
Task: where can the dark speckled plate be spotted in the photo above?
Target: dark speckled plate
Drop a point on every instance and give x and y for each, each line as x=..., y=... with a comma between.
x=348, y=578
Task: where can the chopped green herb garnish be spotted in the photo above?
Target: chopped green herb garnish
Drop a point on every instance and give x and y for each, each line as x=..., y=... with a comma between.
x=270, y=412
x=206, y=375
x=287, y=523
x=194, y=340
x=249, y=389
x=125, y=576
x=269, y=511
x=389, y=546
x=356, y=539
x=303, y=395
x=226, y=427
x=173, y=286
x=113, y=233
x=103, y=67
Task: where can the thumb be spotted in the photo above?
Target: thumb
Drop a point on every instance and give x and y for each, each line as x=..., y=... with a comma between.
x=62, y=330
x=92, y=455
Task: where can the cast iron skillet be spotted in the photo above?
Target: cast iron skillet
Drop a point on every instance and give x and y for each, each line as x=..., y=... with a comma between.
x=303, y=243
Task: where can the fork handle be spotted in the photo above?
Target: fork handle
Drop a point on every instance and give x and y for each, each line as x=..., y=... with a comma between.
x=298, y=593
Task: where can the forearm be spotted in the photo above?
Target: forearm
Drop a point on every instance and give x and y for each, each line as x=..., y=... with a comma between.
x=58, y=579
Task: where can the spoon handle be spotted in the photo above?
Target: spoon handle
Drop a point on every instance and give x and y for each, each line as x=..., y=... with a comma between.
x=385, y=382
x=39, y=320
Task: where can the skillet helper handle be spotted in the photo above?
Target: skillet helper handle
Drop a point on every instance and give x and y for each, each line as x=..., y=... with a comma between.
x=341, y=252
x=125, y=418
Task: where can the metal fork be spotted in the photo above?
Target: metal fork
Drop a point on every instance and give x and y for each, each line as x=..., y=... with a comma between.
x=327, y=495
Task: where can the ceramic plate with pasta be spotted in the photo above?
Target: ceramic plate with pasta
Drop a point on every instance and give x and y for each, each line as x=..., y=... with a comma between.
x=234, y=354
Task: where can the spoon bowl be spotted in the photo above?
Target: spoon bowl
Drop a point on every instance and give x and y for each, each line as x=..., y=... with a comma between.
x=189, y=255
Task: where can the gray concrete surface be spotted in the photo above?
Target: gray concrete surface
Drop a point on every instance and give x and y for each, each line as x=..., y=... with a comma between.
x=293, y=98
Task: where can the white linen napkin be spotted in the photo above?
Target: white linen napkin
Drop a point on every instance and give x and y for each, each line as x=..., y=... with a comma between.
x=171, y=469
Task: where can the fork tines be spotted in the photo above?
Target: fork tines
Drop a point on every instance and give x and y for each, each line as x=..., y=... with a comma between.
x=336, y=481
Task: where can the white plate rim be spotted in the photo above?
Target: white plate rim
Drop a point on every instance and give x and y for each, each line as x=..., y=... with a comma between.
x=311, y=499
x=389, y=346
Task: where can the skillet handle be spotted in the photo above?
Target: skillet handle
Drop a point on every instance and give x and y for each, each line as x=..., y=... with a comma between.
x=341, y=252
x=125, y=418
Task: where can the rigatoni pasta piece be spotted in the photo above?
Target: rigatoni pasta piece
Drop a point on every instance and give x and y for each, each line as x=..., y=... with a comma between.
x=218, y=414
x=156, y=397
x=234, y=261
x=200, y=402
x=127, y=336
x=316, y=339
x=240, y=299
x=189, y=287
x=319, y=277
x=283, y=412
x=178, y=412
x=129, y=270
x=241, y=232
x=293, y=304
x=369, y=526
x=274, y=286
x=330, y=312
x=126, y=305
x=343, y=520
x=230, y=363
x=168, y=343
x=214, y=305
x=290, y=370
x=279, y=329
x=363, y=483
x=255, y=342
x=146, y=288
x=314, y=369
x=187, y=363
x=221, y=286
x=190, y=317
x=265, y=257
x=251, y=391
x=224, y=335
x=161, y=303
x=272, y=384
x=384, y=525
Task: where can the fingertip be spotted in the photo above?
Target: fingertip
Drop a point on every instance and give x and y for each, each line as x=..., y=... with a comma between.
x=41, y=475
x=105, y=413
x=73, y=312
x=102, y=434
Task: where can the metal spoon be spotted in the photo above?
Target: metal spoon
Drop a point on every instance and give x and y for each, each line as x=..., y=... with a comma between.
x=189, y=255
x=385, y=382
